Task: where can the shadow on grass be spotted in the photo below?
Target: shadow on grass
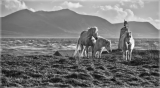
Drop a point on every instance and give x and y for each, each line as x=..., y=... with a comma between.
x=141, y=57
x=134, y=62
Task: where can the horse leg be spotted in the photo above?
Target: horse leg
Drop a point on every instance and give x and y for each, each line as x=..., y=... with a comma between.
x=126, y=55
x=130, y=54
x=119, y=43
x=83, y=54
x=123, y=54
x=81, y=51
x=75, y=53
x=76, y=50
x=96, y=54
x=92, y=52
x=87, y=51
x=100, y=53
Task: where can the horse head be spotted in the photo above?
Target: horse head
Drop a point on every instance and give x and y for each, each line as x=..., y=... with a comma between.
x=108, y=46
x=128, y=37
x=93, y=40
x=128, y=34
x=93, y=31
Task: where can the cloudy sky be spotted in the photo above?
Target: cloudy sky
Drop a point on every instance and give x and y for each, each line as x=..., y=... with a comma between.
x=114, y=11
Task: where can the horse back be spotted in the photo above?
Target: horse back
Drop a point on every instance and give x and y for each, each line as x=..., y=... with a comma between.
x=85, y=40
x=100, y=42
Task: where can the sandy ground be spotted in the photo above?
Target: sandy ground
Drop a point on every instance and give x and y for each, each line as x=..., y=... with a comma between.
x=111, y=71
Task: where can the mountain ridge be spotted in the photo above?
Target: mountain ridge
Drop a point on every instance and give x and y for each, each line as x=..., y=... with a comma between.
x=67, y=23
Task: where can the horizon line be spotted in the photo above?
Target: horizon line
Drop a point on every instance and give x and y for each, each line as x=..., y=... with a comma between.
x=78, y=37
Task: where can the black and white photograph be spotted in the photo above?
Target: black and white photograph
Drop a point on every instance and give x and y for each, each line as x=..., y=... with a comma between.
x=79, y=43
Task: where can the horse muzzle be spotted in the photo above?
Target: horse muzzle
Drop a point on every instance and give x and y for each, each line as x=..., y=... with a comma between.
x=96, y=38
x=110, y=51
x=128, y=42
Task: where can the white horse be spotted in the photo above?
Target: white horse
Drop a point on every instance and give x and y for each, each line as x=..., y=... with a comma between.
x=89, y=48
x=100, y=44
x=127, y=45
x=86, y=40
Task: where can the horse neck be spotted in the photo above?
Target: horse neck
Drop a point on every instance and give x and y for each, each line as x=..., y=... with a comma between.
x=89, y=36
x=129, y=39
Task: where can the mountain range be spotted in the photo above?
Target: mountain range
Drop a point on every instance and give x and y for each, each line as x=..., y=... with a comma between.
x=67, y=23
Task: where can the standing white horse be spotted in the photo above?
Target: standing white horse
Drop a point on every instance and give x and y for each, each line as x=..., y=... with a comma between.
x=127, y=45
x=100, y=44
x=86, y=40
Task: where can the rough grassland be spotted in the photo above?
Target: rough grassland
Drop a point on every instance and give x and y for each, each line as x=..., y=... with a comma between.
x=111, y=71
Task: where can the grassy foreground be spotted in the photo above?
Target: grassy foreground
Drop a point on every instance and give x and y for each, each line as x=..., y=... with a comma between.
x=111, y=71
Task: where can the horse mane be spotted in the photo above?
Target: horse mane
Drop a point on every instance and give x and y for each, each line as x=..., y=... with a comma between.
x=129, y=33
x=100, y=36
x=108, y=41
x=96, y=28
x=100, y=43
x=92, y=30
x=82, y=32
x=93, y=39
x=104, y=40
x=128, y=36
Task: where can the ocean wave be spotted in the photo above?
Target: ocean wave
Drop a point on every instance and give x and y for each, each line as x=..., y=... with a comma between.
x=25, y=47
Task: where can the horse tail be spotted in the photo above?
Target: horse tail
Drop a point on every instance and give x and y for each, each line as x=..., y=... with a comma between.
x=133, y=43
x=77, y=47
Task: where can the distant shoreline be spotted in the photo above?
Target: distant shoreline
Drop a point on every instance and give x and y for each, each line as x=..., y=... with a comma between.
x=61, y=38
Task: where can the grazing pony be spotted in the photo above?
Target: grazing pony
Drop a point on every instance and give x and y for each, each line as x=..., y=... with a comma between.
x=100, y=44
x=127, y=45
x=86, y=40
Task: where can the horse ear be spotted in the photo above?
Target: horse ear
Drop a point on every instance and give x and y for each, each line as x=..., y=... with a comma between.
x=96, y=29
x=110, y=41
x=93, y=29
x=89, y=31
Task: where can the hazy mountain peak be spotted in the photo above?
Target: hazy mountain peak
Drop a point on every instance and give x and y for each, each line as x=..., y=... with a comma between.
x=68, y=23
x=25, y=11
x=66, y=11
x=20, y=12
